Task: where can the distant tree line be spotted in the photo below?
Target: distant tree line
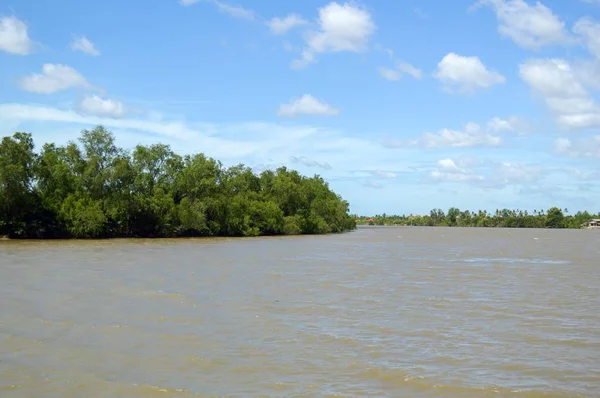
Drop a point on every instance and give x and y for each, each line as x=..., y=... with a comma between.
x=551, y=218
x=96, y=190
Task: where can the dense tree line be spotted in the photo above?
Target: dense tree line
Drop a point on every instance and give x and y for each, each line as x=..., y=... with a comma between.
x=551, y=218
x=95, y=189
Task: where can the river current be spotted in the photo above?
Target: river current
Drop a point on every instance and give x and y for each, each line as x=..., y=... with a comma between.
x=377, y=312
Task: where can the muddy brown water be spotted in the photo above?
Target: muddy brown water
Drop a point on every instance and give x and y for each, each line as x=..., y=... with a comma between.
x=378, y=312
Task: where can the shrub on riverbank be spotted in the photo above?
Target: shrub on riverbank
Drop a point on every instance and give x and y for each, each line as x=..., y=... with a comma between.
x=96, y=189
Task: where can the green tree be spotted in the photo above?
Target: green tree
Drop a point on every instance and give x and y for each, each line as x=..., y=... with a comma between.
x=555, y=218
x=453, y=215
x=19, y=204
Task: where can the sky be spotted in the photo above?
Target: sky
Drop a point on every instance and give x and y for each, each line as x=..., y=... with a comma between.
x=402, y=106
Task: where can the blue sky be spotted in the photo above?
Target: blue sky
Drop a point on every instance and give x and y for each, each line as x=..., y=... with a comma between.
x=402, y=106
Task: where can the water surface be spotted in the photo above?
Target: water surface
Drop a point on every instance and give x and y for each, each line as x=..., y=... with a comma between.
x=379, y=312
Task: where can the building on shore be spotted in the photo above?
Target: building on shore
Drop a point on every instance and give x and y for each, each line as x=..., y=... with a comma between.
x=594, y=223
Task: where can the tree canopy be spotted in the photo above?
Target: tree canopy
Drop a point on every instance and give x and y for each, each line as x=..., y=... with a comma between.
x=505, y=218
x=94, y=189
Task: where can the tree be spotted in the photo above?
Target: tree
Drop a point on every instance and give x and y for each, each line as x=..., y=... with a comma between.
x=18, y=201
x=92, y=188
x=453, y=214
x=554, y=218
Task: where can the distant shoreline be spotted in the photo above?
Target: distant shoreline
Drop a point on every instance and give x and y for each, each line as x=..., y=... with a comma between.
x=358, y=226
x=554, y=218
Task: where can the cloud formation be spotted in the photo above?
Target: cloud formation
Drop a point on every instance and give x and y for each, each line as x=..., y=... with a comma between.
x=400, y=69
x=512, y=124
x=556, y=82
x=306, y=105
x=14, y=36
x=83, y=44
x=97, y=106
x=54, y=78
x=472, y=135
x=341, y=27
x=485, y=174
x=466, y=73
x=529, y=26
x=582, y=147
x=280, y=26
x=233, y=11
x=589, y=30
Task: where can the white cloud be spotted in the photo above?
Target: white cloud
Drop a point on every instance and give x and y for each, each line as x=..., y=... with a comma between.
x=310, y=162
x=233, y=11
x=551, y=78
x=590, y=31
x=306, y=105
x=84, y=45
x=472, y=135
x=558, y=84
x=54, y=78
x=466, y=73
x=14, y=37
x=579, y=148
x=280, y=26
x=97, y=106
x=405, y=67
x=401, y=68
x=529, y=26
x=342, y=27
x=511, y=124
x=485, y=174
x=448, y=170
x=448, y=165
x=516, y=173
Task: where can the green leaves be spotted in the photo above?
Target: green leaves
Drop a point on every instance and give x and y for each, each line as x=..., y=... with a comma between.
x=555, y=218
x=95, y=189
x=83, y=217
x=17, y=198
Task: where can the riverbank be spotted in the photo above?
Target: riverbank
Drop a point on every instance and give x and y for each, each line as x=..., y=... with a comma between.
x=172, y=238
x=461, y=226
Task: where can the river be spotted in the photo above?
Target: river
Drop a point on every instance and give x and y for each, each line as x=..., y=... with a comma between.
x=378, y=312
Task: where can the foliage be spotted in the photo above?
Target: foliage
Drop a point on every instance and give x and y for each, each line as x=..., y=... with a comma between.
x=94, y=189
x=553, y=218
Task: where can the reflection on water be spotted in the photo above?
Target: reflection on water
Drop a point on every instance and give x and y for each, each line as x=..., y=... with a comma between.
x=390, y=312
